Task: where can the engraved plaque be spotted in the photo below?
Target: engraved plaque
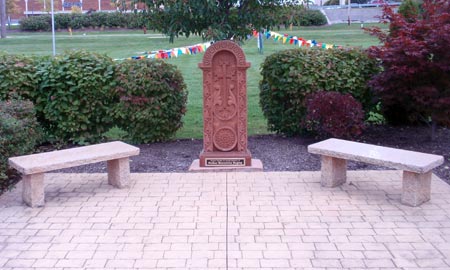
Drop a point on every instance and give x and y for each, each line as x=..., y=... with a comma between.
x=224, y=162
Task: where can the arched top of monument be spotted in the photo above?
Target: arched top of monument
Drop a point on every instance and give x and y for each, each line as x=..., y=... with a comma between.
x=220, y=46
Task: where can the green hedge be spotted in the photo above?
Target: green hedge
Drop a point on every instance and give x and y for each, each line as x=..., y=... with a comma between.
x=36, y=23
x=19, y=134
x=310, y=17
x=152, y=99
x=74, y=97
x=79, y=96
x=17, y=76
x=289, y=76
x=93, y=20
x=300, y=16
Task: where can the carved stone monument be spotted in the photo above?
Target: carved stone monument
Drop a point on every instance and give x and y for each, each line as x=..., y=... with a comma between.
x=225, y=109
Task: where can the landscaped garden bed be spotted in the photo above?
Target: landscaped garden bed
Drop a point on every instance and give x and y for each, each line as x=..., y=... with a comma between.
x=280, y=153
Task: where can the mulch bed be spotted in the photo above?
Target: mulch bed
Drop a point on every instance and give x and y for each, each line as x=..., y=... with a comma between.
x=279, y=153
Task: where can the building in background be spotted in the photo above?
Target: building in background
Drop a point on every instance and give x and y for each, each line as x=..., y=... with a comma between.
x=38, y=7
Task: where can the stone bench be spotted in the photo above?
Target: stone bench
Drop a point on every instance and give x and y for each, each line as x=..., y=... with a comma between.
x=416, y=186
x=33, y=167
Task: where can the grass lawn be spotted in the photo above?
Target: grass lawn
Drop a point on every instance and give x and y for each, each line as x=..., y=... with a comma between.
x=122, y=44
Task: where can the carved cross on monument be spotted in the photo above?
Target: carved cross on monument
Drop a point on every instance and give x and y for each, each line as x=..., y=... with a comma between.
x=225, y=110
x=225, y=99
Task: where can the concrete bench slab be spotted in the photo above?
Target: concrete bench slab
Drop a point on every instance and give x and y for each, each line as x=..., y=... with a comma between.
x=32, y=167
x=416, y=166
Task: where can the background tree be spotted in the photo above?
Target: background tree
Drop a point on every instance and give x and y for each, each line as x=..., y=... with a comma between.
x=2, y=18
x=46, y=5
x=410, y=9
x=213, y=19
x=415, y=83
x=12, y=7
x=7, y=7
x=123, y=5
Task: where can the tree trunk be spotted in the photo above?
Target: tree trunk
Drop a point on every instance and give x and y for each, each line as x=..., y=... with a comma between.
x=348, y=12
x=433, y=130
x=3, y=18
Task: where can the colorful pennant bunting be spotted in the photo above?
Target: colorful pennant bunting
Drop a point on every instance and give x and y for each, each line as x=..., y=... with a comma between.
x=297, y=40
x=170, y=53
x=201, y=47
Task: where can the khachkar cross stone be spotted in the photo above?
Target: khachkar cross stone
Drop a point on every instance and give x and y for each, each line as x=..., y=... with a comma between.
x=225, y=108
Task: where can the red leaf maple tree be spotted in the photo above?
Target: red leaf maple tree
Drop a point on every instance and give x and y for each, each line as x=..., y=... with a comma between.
x=415, y=82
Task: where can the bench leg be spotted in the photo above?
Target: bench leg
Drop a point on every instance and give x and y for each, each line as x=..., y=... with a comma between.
x=416, y=188
x=334, y=171
x=33, y=189
x=119, y=172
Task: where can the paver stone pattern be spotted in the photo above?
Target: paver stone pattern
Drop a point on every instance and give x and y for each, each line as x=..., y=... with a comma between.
x=267, y=220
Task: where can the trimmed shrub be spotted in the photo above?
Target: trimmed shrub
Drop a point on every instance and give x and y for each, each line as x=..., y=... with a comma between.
x=289, y=76
x=300, y=16
x=81, y=21
x=97, y=19
x=152, y=99
x=331, y=3
x=118, y=20
x=137, y=20
x=409, y=9
x=19, y=134
x=62, y=21
x=333, y=114
x=310, y=17
x=77, y=21
x=36, y=23
x=74, y=97
x=17, y=76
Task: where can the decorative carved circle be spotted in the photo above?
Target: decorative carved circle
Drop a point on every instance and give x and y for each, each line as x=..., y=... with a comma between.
x=225, y=139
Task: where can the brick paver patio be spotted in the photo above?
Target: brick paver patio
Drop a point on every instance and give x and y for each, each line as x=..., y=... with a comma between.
x=270, y=220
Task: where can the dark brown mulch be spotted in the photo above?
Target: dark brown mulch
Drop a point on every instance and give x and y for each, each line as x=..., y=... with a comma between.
x=280, y=153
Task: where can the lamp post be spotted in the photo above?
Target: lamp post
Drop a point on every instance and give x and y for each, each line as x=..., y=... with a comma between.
x=53, y=29
x=3, y=18
x=348, y=11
